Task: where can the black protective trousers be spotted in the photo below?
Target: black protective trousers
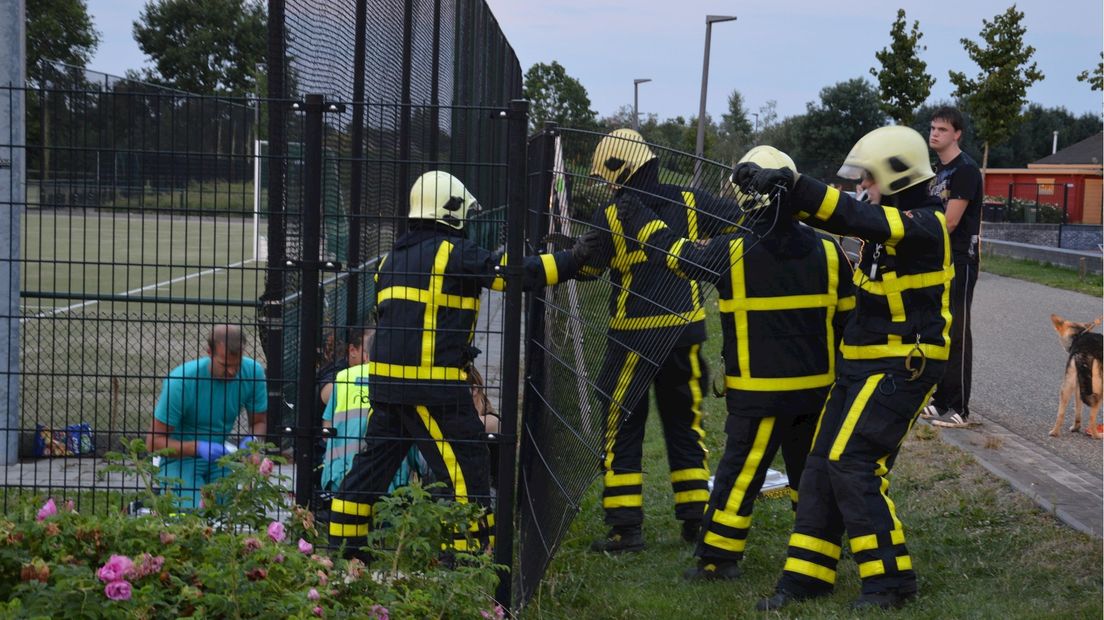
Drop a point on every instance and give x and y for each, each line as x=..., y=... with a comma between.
x=844, y=487
x=953, y=391
x=749, y=450
x=451, y=439
x=679, y=382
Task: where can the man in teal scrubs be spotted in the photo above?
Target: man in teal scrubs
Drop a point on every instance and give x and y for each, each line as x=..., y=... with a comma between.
x=198, y=407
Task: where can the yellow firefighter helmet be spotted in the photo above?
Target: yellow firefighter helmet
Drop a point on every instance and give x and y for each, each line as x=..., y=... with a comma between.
x=895, y=157
x=619, y=155
x=766, y=157
x=442, y=197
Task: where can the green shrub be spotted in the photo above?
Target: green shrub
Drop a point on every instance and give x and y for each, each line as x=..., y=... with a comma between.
x=1020, y=210
x=230, y=560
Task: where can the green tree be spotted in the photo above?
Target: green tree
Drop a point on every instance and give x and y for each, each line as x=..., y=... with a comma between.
x=903, y=79
x=556, y=96
x=997, y=95
x=204, y=46
x=1096, y=79
x=58, y=30
x=734, y=136
x=847, y=111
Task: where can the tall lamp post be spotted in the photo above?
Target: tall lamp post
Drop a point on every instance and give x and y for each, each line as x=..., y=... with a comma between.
x=636, y=101
x=700, y=149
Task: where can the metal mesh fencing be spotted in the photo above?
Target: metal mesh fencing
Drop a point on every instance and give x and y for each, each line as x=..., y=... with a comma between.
x=577, y=344
x=139, y=232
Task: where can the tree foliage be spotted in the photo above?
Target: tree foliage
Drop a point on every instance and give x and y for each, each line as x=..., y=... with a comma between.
x=204, y=46
x=735, y=134
x=903, y=79
x=58, y=30
x=825, y=134
x=557, y=97
x=996, y=96
x=1096, y=79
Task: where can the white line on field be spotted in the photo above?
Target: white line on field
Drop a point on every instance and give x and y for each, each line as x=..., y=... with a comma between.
x=147, y=287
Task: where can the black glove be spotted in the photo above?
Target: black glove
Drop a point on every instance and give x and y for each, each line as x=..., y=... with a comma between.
x=587, y=247
x=766, y=180
x=558, y=241
x=744, y=172
x=751, y=176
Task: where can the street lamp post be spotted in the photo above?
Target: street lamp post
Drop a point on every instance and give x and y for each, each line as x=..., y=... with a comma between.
x=636, y=101
x=700, y=152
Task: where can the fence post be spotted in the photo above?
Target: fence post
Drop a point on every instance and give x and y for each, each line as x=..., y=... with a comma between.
x=310, y=309
x=518, y=119
x=13, y=174
x=356, y=173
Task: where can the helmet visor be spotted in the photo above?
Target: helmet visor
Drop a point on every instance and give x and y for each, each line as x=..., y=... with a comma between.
x=849, y=171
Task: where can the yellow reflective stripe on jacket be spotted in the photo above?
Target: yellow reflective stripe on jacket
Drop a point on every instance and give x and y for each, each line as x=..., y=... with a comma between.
x=409, y=293
x=827, y=204
x=904, y=283
x=691, y=215
x=893, y=349
x=948, y=270
x=741, y=304
x=499, y=283
x=436, y=286
x=417, y=373
x=896, y=226
x=659, y=320
x=551, y=270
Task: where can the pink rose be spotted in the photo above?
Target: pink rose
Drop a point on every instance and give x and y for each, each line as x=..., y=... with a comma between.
x=48, y=509
x=313, y=594
x=257, y=574
x=70, y=506
x=317, y=611
x=323, y=561
x=279, y=558
x=267, y=466
x=323, y=579
x=117, y=567
x=167, y=538
x=251, y=544
x=379, y=612
x=118, y=590
x=305, y=547
x=276, y=531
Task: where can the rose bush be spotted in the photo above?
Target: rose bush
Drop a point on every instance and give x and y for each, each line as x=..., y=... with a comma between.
x=56, y=562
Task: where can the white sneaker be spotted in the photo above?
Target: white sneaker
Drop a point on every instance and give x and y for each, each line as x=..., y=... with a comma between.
x=952, y=419
x=930, y=412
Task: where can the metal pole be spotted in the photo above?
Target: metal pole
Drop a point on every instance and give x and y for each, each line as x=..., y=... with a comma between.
x=13, y=176
x=700, y=147
x=309, y=313
x=636, y=100
x=518, y=119
x=356, y=173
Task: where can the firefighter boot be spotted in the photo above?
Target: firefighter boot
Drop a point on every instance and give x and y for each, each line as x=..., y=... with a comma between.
x=691, y=530
x=626, y=539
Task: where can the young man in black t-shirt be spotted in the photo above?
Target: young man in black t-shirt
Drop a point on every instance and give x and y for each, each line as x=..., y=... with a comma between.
x=958, y=183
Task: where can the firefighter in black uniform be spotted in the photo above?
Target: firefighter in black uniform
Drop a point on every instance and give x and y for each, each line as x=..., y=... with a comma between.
x=895, y=346
x=428, y=290
x=656, y=327
x=783, y=304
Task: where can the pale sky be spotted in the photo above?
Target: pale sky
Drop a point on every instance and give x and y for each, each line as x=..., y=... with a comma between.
x=786, y=50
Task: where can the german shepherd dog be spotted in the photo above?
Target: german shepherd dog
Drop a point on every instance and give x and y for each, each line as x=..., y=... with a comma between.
x=1083, y=372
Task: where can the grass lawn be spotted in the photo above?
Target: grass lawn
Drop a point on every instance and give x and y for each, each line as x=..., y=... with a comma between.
x=981, y=550
x=1042, y=273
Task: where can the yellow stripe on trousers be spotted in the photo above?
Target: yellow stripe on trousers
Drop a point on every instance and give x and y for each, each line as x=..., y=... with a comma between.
x=445, y=448
x=853, y=415
x=624, y=379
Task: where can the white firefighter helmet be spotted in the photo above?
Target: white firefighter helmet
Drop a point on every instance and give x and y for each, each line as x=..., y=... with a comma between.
x=619, y=155
x=895, y=157
x=442, y=197
x=766, y=157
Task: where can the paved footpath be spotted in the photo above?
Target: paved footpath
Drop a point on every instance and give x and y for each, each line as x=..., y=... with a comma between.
x=1018, y=368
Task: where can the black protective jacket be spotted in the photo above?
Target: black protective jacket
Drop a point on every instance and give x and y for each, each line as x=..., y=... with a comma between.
x=903, y=278
x=646, y=297
x=783, y=304
x=427, y=298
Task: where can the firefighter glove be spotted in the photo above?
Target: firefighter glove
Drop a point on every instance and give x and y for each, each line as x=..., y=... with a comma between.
x=587, y=247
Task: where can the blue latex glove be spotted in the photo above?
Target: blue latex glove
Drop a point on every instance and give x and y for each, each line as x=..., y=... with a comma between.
x=210, y=450
x=244, y=443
